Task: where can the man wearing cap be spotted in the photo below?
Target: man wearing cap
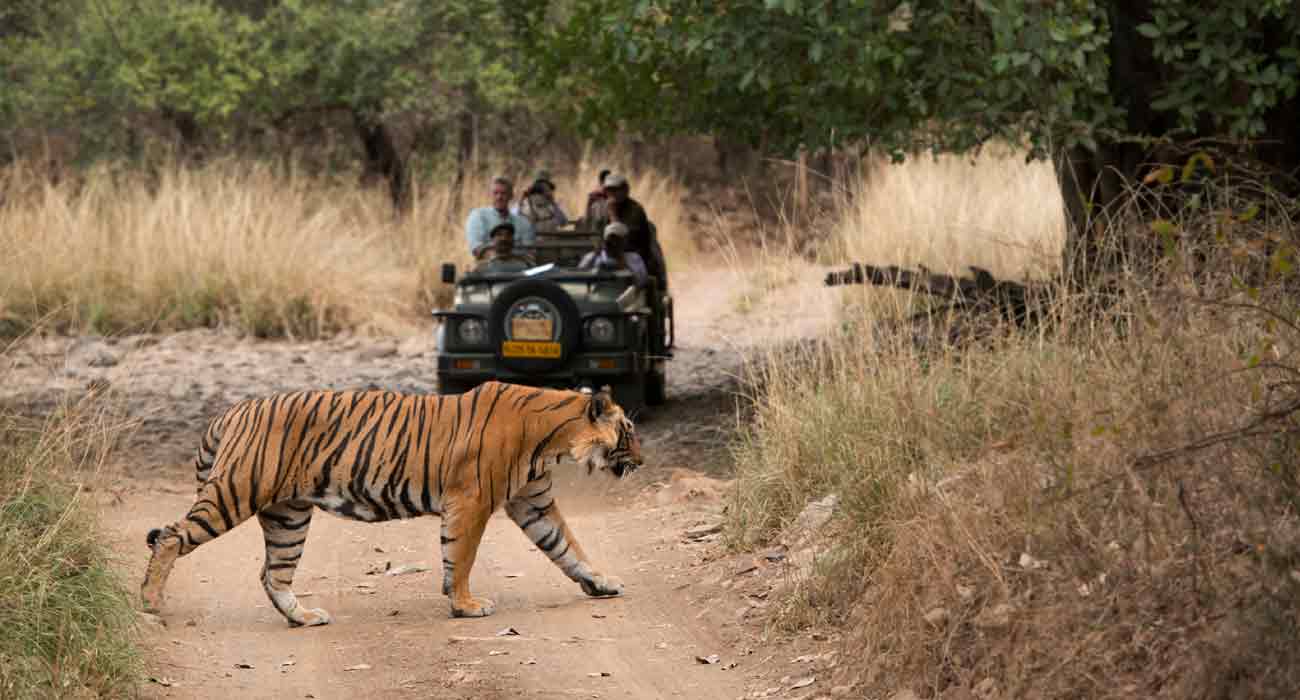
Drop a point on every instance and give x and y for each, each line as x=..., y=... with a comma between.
x=641, y=238
x=613, y=254
x=500, y=255
x=538, y=205
x=481, y=221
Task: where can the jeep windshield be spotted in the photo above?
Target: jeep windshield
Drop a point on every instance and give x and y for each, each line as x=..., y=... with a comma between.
x=583, y=286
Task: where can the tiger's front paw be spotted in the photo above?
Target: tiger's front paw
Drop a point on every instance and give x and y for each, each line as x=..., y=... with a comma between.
x=601, y=586
x=474, y=607
x=311, y=618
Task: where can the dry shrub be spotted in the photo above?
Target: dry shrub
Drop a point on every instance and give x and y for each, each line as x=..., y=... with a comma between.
x=1102, y=506
x=260, y=248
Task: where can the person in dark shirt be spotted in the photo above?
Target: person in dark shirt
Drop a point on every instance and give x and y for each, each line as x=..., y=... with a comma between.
x=596, y=198
x=618, y=206
x=500, y=254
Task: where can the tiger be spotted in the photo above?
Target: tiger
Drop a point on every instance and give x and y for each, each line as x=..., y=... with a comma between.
x=380, y=455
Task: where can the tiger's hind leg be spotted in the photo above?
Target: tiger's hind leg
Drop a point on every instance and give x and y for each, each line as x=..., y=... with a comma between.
x=208, y=519
x=535, y=512
x=284, y=526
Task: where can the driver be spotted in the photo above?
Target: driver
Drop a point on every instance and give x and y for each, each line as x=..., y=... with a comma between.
x=499, y=254
x=613, y=254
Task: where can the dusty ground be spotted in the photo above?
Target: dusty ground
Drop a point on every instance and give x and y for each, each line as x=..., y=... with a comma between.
x=219, y=638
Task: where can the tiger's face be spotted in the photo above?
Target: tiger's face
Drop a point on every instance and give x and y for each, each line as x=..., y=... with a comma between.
x=613, y=443
x=626, y=455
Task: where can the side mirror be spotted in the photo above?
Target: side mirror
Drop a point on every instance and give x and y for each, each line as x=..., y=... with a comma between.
x=449, y=273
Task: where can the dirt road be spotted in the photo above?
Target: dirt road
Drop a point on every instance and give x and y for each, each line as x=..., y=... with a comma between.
x=219, y=638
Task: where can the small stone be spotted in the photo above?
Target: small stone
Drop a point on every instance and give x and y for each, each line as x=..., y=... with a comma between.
x=406, y=569
x=995, y=617
x=103, y=358
x=703, y=531
x=1027, y=561
x=152, y=619
x=376, y=352
x=937, y=617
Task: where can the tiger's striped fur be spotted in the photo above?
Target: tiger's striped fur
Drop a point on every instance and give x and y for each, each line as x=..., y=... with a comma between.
x=376, y=456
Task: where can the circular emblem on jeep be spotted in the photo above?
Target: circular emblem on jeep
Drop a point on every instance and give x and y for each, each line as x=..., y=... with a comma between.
x=533, y=318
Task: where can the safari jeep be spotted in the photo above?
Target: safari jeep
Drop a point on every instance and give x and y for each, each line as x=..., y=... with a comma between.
x=555, y=325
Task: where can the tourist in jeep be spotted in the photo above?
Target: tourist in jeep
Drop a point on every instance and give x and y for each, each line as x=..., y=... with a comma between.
x=596, y=198
x=613, y=254
x=483, y=220
x=500, y=254
x=619, y=207
x=538, y=205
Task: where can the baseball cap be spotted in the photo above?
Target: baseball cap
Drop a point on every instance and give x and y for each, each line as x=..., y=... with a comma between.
x=616, y=229
x=613, y=180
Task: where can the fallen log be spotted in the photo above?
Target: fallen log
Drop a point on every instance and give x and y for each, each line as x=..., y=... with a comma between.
x=982, y=291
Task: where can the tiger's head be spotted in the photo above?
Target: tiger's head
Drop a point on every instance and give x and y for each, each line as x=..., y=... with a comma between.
x=610, y=442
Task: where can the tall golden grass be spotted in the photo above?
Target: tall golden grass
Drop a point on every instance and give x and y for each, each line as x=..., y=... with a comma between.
x=1028, y=514
x=255, y=247
x=992, y=210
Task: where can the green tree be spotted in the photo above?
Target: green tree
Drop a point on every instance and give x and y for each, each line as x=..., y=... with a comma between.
x=216, y=70
x=1093, y=85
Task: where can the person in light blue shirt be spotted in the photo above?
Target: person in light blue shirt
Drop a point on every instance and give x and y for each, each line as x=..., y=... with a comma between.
x=481, y=221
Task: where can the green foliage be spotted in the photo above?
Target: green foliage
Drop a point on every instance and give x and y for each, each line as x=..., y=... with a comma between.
x=223, y=67
x=67, y=617
x=910, y=75
x=1221, y=63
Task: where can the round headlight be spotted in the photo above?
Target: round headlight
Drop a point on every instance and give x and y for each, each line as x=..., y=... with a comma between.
x=472, y=331
x=601, y=330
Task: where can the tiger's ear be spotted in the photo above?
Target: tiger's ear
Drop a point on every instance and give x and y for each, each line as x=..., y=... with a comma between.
x=600, y=404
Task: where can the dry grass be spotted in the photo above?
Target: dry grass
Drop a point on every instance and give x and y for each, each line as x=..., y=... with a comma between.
x=992, y=210
x=257, y=248
x=1001, y=528
x=67, y=616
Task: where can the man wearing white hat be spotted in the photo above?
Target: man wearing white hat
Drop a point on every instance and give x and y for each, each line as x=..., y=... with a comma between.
x=613, y=254
x=641, y=237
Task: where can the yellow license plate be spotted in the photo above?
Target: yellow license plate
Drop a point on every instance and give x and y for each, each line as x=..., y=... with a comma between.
x=527, y=348
x=531, y=328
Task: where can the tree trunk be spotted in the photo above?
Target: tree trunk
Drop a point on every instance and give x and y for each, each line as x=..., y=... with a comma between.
x=382, y=157
x=190, y=134
x=466, y=137
x=1092, y=182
